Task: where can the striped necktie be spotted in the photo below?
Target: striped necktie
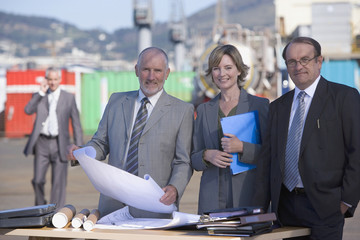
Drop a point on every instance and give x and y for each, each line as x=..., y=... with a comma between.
x=132, y=157
x=291, y=174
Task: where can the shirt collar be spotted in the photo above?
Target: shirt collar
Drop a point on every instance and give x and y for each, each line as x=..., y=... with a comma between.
x=310, y=91
x=153, y=99
x=55, y=93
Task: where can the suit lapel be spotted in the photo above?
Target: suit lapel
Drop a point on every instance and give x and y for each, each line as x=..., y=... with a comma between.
x=211, y=118
x=60, y=102
x=315, y=110
x=284, y=109
x=127, y=107
x=243, y=105
x=162, y=106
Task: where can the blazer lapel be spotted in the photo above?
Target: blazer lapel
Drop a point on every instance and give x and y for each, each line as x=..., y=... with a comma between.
x=315, y=110
x=162, y=106
x=284, y=110
x=127, y=107
x=211, y=118
x=60, y=102
x=243, y=105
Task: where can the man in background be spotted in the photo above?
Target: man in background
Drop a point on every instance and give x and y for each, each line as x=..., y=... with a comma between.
x=50, y=136
x=309, y=165
x=147, y=132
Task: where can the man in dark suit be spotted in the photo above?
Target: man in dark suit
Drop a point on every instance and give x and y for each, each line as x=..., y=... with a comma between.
x=50, y=136
x=316, y=182
x=164, y=144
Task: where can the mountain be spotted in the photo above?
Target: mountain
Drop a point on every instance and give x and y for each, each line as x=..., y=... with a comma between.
x=25, y=36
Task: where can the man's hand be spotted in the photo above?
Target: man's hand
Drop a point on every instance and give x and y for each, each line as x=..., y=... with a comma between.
x=70, y=149
x=44, y=86
x=343, y=208
x=170, y=195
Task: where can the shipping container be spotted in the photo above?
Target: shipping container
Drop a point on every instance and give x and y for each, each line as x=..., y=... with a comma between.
x=342, y=71
x=97, y=87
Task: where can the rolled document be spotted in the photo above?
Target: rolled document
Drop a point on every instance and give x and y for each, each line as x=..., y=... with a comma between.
x=91, y=220
x=63, y=216
x=80, y=218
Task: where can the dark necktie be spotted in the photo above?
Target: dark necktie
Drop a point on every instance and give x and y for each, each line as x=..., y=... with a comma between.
x=291, y=174
x=132, y=157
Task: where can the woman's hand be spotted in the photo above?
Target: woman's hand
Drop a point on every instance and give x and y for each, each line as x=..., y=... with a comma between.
x=231, y=144
x=218, y=158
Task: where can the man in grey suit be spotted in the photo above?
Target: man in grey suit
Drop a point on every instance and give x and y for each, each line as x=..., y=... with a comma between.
x=163, y=149
x=314, y=183
x=50, y=136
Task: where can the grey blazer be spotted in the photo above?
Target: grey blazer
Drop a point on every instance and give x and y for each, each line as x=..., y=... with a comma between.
x=66, y=109
x=206, y=137
x=164, y=146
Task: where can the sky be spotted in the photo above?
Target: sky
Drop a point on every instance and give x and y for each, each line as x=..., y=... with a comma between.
x=108, y=15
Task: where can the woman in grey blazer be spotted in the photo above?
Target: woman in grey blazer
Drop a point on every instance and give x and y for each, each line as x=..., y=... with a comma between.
x=212, y=148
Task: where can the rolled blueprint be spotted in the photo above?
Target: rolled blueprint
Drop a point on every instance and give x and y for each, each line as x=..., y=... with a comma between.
x=91, y=220
x=142, y=193
x=63, y=216
x=80, y=218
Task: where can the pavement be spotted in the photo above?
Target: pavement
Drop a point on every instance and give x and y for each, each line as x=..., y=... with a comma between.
x=16, y=191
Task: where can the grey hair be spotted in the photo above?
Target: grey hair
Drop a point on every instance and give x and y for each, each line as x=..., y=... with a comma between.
x=159, y=50
x=53, y=69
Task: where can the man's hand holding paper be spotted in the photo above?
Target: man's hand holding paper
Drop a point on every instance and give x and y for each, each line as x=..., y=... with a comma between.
x=170, y=195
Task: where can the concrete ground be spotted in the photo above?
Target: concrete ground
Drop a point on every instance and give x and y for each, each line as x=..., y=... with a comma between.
x=16, y=191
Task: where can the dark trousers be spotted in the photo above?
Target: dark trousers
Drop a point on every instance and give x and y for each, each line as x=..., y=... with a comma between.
x=47, y=153
x=295, y=209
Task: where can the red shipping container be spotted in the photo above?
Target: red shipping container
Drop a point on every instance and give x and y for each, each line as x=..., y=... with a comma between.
x=17, y=123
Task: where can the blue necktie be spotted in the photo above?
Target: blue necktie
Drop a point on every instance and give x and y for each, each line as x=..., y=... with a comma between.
x=132, y=157
x=291, y=174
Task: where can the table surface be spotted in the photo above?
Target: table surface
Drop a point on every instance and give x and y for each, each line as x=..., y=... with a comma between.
x=145, y=234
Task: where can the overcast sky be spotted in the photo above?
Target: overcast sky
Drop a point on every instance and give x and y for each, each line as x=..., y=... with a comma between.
x=105, y=14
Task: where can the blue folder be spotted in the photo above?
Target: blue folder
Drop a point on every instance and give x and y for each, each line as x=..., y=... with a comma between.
x=246, y=128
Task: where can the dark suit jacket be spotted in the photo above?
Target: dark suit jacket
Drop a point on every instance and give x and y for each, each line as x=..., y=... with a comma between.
x=206, y=137
x=66, y=109
x=329, y=162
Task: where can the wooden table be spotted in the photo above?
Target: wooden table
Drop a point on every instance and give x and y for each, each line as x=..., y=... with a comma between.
x=47, y=232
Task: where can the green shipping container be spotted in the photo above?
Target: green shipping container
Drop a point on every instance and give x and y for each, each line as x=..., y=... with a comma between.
x=97, y=87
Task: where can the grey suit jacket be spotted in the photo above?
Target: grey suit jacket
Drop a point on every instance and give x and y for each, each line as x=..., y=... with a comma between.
x=206, y=137
x=66, y=109
x=329, y=151
x=164, y=146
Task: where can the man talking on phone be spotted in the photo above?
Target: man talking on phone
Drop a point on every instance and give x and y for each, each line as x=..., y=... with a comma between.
x=50, y=136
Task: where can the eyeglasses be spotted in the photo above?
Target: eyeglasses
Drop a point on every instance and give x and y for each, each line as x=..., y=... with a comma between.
x=303, y=61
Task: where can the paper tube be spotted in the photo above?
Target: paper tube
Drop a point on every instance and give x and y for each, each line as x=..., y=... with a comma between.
x=91, y=220
x=79, y=218
x=63, y=216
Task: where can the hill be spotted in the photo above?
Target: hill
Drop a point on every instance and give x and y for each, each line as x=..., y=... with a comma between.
x=39, y=36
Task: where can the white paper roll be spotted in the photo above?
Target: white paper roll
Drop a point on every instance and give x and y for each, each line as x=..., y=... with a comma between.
x=63, y=216
x=60, y=220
